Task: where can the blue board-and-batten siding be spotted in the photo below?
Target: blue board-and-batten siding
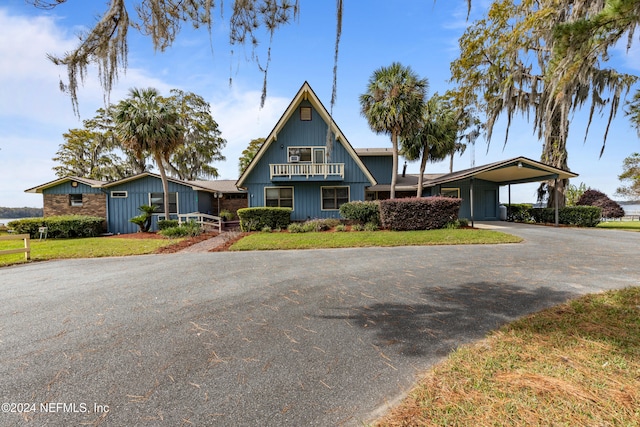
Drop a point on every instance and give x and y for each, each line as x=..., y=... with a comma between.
x=307, y=192
x=307, y=199
x=67, y=188
x=486, y=198
x=121, y=210
x=381, y=167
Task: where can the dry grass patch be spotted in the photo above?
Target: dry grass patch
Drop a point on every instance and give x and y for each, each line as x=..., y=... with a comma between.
x=577, y=364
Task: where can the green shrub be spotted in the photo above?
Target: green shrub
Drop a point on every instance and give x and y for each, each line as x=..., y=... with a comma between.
x=520, y=212
x=313, y=225
x=371, y=226
x=258, y=218
x=167, y=223
x=463, y=222
x=581, y=216
x=63, y=226
x=341, y=227
x=317, y=225
x=266, y=229
x=357, y=227
x=361, y=212
x=143, y=221
x=295, y=227
x=226, y=215
x=186, y=229
x=426, y=213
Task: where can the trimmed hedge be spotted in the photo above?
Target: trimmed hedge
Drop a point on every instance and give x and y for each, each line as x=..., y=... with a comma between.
x=428, y=213
x=581, y=216
x=361, y=212
x=519, y=212
x=63, y=226
x=252, y=219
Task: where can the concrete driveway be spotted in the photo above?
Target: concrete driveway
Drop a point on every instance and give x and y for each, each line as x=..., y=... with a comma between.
x=282, y=338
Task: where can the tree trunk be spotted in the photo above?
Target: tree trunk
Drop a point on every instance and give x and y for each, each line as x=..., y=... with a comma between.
x=451, y=162
x=165, y=185
x=423, y=166
x=554, y=153
x=394, y=174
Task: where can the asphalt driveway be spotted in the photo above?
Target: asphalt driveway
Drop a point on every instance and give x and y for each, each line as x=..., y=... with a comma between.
x=281, y=338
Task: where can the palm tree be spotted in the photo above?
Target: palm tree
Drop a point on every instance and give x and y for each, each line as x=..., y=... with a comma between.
x=393, y=104
x=435, y=139
x=146, y=123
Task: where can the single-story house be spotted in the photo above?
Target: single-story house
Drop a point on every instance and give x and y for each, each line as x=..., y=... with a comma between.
x=118, y=201
x=294, y=168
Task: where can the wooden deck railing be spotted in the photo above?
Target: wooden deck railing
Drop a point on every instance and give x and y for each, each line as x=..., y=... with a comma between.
x=26, y=249
x=306, y=169
x=203, y=219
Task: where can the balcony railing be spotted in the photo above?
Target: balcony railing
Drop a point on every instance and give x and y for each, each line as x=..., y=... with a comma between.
x=306, y=169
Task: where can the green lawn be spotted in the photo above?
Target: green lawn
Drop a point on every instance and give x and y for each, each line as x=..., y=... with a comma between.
x=621, y=225
x=284, y=240
x=81, y=248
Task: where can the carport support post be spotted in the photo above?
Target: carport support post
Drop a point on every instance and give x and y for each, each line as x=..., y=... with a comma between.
x=509, y=208
x=555, y=189
x=471, y=200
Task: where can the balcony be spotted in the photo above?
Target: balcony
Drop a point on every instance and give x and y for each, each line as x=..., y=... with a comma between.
x=307, y=170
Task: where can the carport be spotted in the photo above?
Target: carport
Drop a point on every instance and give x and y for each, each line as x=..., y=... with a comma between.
x=518, y=170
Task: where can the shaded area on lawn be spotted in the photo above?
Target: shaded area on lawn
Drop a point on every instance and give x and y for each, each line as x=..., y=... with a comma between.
x=437, y=323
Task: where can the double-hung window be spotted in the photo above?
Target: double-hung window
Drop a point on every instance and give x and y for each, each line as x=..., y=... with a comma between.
x=279, y=197
x=334, y=197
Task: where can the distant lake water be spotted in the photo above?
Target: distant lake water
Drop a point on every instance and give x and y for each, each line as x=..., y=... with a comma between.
x=6, y=221
x=628, y=209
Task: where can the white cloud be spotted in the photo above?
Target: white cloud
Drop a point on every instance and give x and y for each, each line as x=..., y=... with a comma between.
x=34, y=113
x=240, y=120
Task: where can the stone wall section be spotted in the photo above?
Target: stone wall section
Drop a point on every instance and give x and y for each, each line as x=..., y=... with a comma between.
x=59, y=204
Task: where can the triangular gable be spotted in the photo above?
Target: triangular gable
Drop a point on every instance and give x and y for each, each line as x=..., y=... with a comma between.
x=90, y=182
x=305, y=94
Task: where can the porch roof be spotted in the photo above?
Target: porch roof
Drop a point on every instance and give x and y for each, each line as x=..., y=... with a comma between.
x=517, y=170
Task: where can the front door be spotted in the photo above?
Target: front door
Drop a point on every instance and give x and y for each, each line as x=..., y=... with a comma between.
x=490, y=202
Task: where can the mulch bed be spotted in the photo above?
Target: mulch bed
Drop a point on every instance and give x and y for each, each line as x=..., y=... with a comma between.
x=170, y=248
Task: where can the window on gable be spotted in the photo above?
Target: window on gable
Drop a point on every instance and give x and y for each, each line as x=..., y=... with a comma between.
x=334, y=197
x=75, y=200
x=157, y=200
x=305, y=114
x=278, y=197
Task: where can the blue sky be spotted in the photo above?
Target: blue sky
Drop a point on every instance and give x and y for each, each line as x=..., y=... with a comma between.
x=422, y=34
